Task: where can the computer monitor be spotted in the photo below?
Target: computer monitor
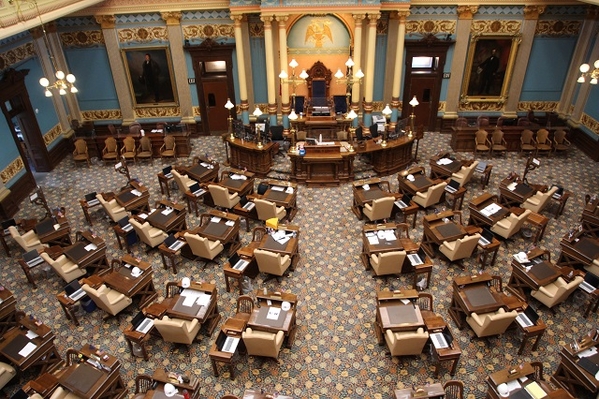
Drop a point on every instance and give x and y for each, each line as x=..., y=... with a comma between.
x=488, y=234
x=91, y=196
x=532, y=315
x=170, y=240
x=311, y=141
x=124, y=221
x=7, y=223
x=136, y=321
x=194, y=187
x=592, y=279
x=167, y=170
x=454, y=184
x=359, y=134
x=72, y=287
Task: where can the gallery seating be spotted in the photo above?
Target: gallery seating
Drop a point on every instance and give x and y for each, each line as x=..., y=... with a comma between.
x=465, y=173
x=498, y=143
x=28, y=241
x=492, y=323
x=271, y=262
x=388, y=262
x=543, y=142
x=150, y=235
x=129, y=151
x=112, y=208
x=169, y=148
x=527, y=142
x=461, y=248
x=65, y=268
x=202, y=247
x=556, y=292
x=110, y=153
x=221, y=196
x=268, y=210
x=510, y=225
x=380, y=209
x=144, y=150
x=109, y=300
x=176, y=330
x=432, y=196
x=560, y=142
x=540, y=200
x=80, y=153
x=481, y=142
x=263, y=343
x=406, y=343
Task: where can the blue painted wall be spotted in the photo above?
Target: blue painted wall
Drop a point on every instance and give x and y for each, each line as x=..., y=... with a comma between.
x=94, y=78
x=379, y=67
x=547, y=68
x=259, y=70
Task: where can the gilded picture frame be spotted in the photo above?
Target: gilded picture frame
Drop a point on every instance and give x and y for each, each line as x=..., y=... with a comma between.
x=150, y=76
x=490, y=64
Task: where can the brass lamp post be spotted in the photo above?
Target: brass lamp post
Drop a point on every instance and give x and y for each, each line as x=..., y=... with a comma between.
x=413, y=102
x=257, y=112
x=292, y=118
x=387, y=113
x=229, y=106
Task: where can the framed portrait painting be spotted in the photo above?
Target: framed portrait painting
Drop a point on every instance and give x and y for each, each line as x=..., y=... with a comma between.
x=150, y=74
x=490, y=64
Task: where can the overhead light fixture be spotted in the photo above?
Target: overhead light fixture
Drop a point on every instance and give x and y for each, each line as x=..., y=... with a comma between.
x=65, y=82
x=585, y=70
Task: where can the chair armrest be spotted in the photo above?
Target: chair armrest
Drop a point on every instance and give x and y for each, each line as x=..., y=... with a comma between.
x=368, y=206
x=477, y=319
x=234, y=195
x=28, y=235
x=192, y=325
x=503, y=224
x=278, y=339
x=117, y=298
x=118, y=209
x=419, y=194
x=214, y=244
x=544, y=291
x=457, y=175
x=155, y=233
x=73, y=267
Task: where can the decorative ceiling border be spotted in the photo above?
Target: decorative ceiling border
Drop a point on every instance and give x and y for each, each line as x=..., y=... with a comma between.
x=208, y=31
x=543, y=106
x=157, y=112
x=557, y=28
x=590, y=123
x=89, y=38
x=12, y=170
x=16, y=55
x=496, y=26
x=144, y=35
x=102, y=114
x=52, y=134
x=431, y=26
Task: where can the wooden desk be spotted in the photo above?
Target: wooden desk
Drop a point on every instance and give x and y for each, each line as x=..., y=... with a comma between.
x=59, y=235
x=397, y=155
x=420, y=184
x=578, y=251
x=85, y=207
x=122, y=280
x=590, y=218
x=162, y=377
x=222, y=226
x=323, y=165
x=516, y=197
x=203, y=171
x=377, y=188
x=392, y=313
x=208, y=316
x=134, y=337
x=435, y=324
x=443, y=167
x=30, y=332
x=531, y=276
x=438, y=228
x=513, y=375
x=479, y=208
x=232, y=327
x=240, y=186
x=473, y=294
x=173, y=221
x=570, y=374
x=94, y=257
x=290, y=248
x=286, y=321
x=69, y=306
x=134, y=198
x=247, y=154
x=164, y=183
x=433, y=391
x=102, y=380
x=8, y=308
x=251, y=270
x=283, y=194
x=535, y=331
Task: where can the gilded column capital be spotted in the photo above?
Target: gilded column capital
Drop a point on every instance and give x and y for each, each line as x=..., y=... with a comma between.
x=359, y=17
x=533, y=12
x=106, y=21
x=238, y=18
x=282, y=18
x=374, y=17
x=171, y=17
x=467, y=12
x=401, y=15
x=267, y=19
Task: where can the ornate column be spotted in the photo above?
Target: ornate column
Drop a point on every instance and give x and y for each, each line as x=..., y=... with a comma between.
x=529, y=27
x=355, y=98
x=585, y=89
x=460, y=52
x=285, y=104
x=243, y=93
x=399, y=61
x=270, y=70
x=586, y=35
x=119, y=75
x=369, y=78
x=42, y=52
x=175, y=38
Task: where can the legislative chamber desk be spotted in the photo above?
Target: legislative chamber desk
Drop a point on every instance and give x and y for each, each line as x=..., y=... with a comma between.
x=323, y=165
x=133, y=198
x=203, y=171
x=96, y=375
x=522, y=378
x=513, y=192
x=462, y=138
x=8, y=308
x=89, y=252
x=579, y=251
x=443, y=166
x=441, y=227
x=532, y=275
x=472, y=294
x=590, y=218
x=572, y=371
x=217, y=225
x=247, y=155
x=168, y=217
x=369, y=190
x=286, y=320
x=397, y=155
x=481, y=207
x=282, y=193
x=396, y=311
x=290, y=248
x=431, y=391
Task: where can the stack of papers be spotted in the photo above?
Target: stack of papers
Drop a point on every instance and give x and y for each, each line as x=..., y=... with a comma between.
x=277, y=188
x=230, y=223
x=27, y=349
x=204, y=164
x=512, y=186
x=136, y=192
x=215, y=219
x=535, y=390
x=237, y=176
x=373, y=240
x=90, y=247
x=444, y=161
x=167, y=211
x=490, y=209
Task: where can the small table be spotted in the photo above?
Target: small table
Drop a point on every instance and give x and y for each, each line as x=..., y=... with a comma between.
x=432, y=391
x=85, y=207
x=251, y=270
x=537, y=330
x=286, y=321
x=540, y=223
x=491, y=248
x=8, y=309
x=458, y=198
x=164, y=183
x=435, y=324
x=232, y=327
x=132, y=336
x=169, y=256
x=125, y=236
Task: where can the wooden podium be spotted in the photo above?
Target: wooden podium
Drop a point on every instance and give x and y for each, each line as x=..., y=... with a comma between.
x=323, y=165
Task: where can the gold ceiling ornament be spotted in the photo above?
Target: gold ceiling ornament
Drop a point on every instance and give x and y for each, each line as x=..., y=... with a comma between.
x=101, y=114
x=495, y=26
x=142, y=34
x=558, y=28
x=90, y=38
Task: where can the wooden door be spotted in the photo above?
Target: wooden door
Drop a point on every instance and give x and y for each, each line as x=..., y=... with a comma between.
x=424, y=88
x=215, y=98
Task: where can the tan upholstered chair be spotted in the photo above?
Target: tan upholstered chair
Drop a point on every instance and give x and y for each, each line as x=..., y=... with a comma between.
x=380, y=209
x=543, y=142
x=112, y=208
x=510, y=225
x=28, y=241
x=539, y=201
x=203, y=247
x=387, y=262
x=461, y=248
x=498, y=143
x=80, y=153
x=152, y=236
x=342, y=135
x=222, y=197
x=7, y=372
x=109, y=300
x=65, y=268
x=129, y=151
x=169, y=148
x=183, y=181
x=493, y=323
x=262, y=343
x=527, y=142
x=110, y=153
x=560, y=142
x=464, y=175
x=406, y=343
x=267, y=210
x=144, y=151
x=431, y=197
x=179, y=331
x=271, y=262
x=481, y=142
x=61, y=393
x=556, y=292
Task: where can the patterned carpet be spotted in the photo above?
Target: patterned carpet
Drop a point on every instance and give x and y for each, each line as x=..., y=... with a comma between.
x=335, y=354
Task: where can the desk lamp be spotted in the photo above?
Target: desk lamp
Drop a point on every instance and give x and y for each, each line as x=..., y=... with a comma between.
x=413, y=102
x=387, y=113
x=257, y=112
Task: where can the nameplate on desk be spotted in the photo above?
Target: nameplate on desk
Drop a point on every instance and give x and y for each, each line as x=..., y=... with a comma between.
x=90, y=247
x=136, y=193
x=215, y=219
x=118, y=165
x=273, y=313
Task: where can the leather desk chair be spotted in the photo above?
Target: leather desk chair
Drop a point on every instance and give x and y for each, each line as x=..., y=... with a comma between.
x=431, y=197
x=183, y=181
x=510, y=225
x=112, y=208
x=152, y=236
x=110, y=153
x=271, y=262
x=380, y=209
x=539, y=201
x=459, y=249
x=80, y=153
x=28, y=241
x=493, y=323
x=129, y=151
x=465, y=173
x=387, y=262
x=262, y=343
x=203, y=247
x=556, y=292
x=176, y=330
x=7, y=372
x=406, y=343
x=65, y=268
x=109, y=300
x=222, y=198
x=268, y=210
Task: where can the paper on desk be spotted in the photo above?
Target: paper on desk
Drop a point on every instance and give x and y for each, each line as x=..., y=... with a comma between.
x=136, y=193
x=373, y=240
x=189, y=301
x=390, y=235
x=490, y=209
x=273, y=313
x=278, y=235
x=230, y=223
x=588, y=352
x=366, y=187
x=512, y=186
x=277, y=188
x=167, y=211
x=289, y=190
x=31, y=335
x=444, y=161
x=204, y=164
x=27, y=349
x=142, y=215
x=203, y=299
x=90, y=247
x=56, y=226
x=406, y=301
x=236, y=176
x=215, y=219
x=513, y=385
